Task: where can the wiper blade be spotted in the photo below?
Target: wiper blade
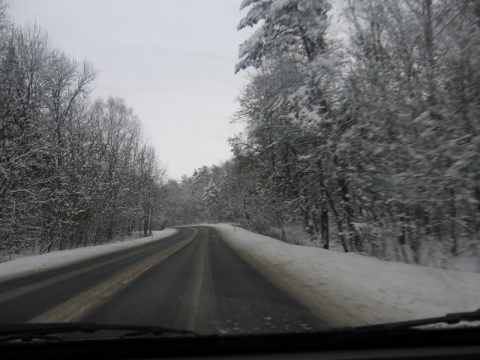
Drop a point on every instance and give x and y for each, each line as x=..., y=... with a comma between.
x=29, y=332
x=450, y=319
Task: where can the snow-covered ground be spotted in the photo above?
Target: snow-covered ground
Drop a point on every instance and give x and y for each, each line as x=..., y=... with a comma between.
x=26, y=265
x=349, y=289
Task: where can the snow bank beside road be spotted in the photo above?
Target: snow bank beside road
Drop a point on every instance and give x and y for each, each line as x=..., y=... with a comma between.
x=349, y=289
x=26, y=265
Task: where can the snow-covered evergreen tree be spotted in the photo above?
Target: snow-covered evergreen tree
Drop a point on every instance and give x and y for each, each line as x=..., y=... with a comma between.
x=211, y=201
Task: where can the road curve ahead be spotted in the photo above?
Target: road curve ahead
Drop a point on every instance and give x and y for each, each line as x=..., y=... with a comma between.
x=191, y=280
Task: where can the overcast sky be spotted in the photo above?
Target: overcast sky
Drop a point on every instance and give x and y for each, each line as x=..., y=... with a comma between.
x=171, y=60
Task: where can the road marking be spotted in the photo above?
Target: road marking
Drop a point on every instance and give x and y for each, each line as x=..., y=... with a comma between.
x=199, y=275
x=196, y=311
x=84, y=303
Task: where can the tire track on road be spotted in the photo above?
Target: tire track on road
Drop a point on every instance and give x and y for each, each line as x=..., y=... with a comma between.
x=82, y=304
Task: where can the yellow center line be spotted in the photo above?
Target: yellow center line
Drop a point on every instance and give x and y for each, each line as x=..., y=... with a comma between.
x=198, y=283
x=197, y=308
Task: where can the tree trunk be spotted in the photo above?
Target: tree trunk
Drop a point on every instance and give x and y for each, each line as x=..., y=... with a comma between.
x=324, y=224
x=354, y=236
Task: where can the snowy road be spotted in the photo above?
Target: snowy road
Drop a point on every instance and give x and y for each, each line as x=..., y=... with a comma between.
x=190, y=280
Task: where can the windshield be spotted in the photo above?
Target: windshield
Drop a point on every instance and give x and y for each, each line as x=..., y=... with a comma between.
x=238, y=167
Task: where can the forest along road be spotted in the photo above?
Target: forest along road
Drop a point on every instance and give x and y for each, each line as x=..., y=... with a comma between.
x=190, y=280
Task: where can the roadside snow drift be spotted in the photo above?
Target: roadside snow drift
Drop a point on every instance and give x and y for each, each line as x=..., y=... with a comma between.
x=351, y=290
x=34, y=263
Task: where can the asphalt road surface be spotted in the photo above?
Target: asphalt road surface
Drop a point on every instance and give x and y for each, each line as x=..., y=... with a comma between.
x=191, y=281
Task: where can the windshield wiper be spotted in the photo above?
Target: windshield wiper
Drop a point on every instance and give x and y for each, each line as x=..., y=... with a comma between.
x=50, y=331
x=449, y=319
x=29, y=332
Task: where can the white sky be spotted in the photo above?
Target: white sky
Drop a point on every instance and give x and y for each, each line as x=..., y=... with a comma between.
x=171, y=60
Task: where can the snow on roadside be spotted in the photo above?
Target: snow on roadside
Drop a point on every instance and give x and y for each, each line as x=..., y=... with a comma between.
x=25, y=265
x=352, y=290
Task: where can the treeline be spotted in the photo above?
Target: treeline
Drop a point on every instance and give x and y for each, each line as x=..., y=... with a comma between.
x=73, y=171
x=370, y=142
